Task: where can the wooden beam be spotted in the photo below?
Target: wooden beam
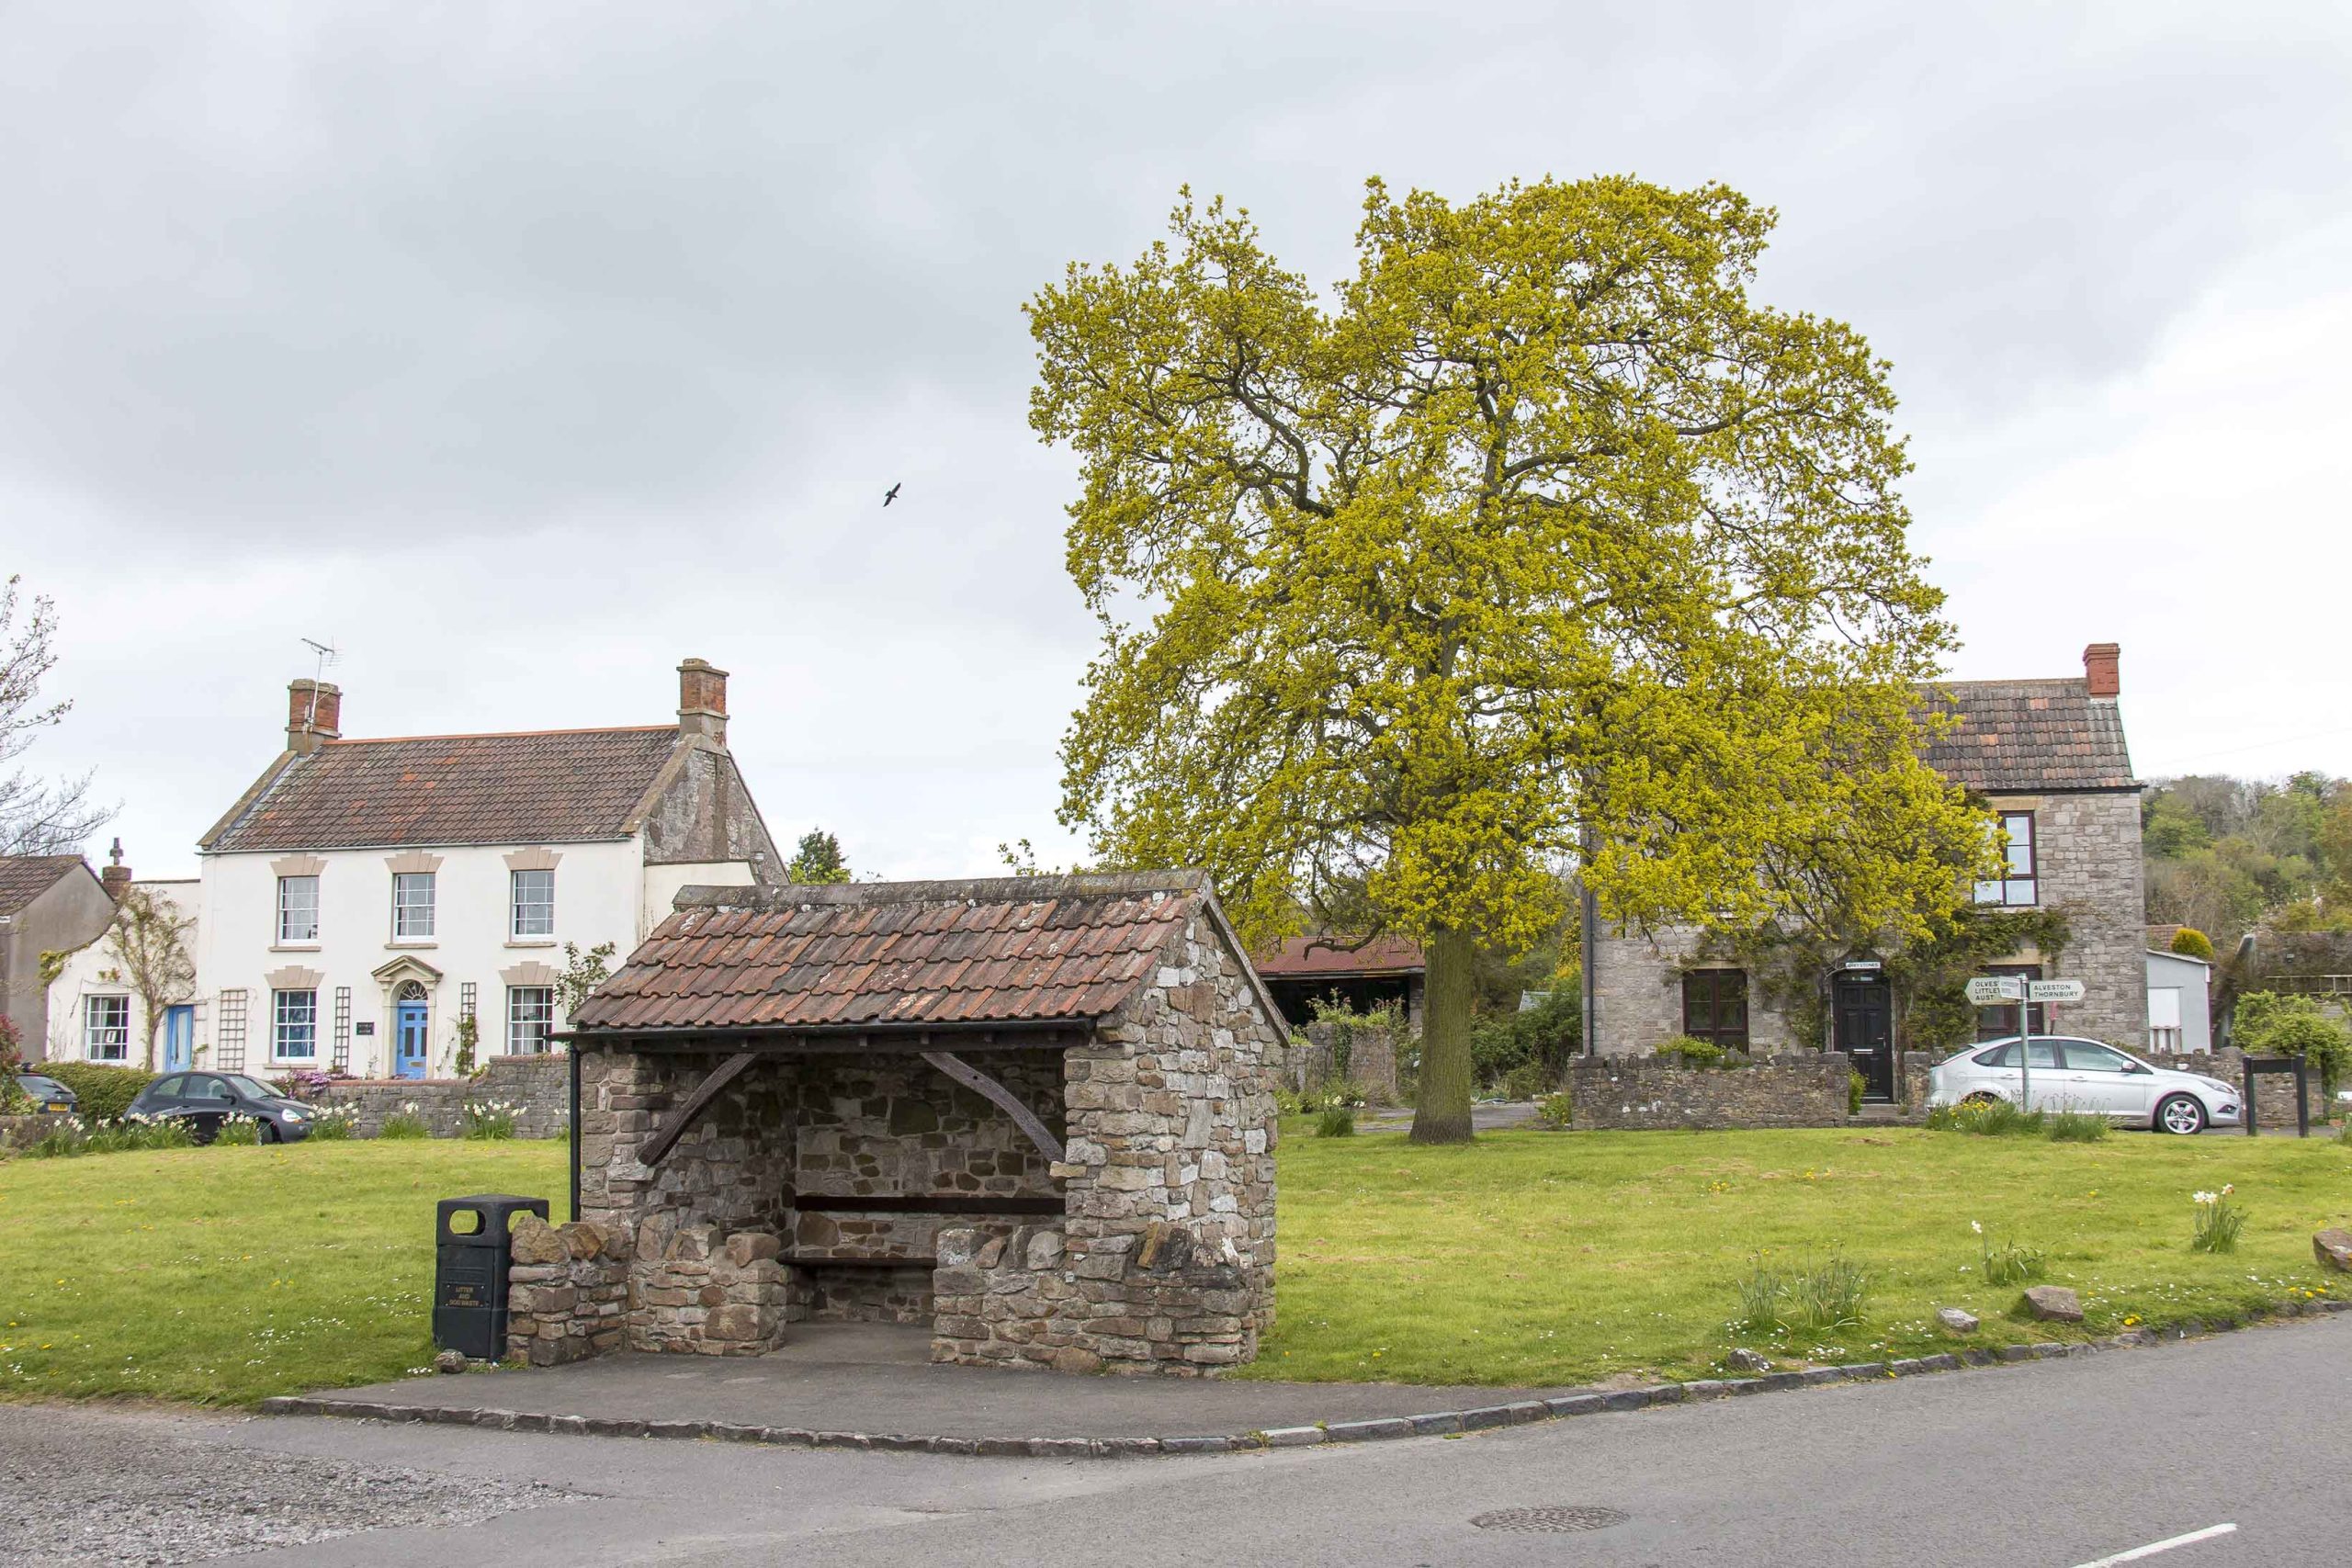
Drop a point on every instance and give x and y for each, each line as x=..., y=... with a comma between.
x=666, y=1139
x=979, y=1083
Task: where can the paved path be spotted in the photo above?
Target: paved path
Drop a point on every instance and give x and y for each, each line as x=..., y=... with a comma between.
x=2051, y=1464
x=869, y=1378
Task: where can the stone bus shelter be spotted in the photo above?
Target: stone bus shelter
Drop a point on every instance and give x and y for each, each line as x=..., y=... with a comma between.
x=1034, y=1114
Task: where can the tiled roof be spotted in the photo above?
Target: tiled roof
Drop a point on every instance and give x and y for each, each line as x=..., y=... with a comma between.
x=1301, y=956
x=1010, y=950
x=2028, y=735
x=553, y=787
x=24, y=878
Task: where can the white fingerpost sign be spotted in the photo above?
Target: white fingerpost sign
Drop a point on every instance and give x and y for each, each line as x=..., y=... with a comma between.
x=2053, y=990
x=1985, y=990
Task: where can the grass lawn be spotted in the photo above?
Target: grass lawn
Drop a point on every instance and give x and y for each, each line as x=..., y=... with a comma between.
x=222, y=1275
x=1543, y=1258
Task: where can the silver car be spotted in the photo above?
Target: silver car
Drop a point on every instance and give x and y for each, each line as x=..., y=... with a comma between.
x=2085, y=1075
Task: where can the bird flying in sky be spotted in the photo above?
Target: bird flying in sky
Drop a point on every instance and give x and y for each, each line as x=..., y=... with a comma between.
x=891, y=494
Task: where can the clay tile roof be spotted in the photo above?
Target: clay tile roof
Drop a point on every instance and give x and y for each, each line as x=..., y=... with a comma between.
x=2028, y=735
x=550, y=787
x=1010, y=950
x=24, y=878
x=1319, y=956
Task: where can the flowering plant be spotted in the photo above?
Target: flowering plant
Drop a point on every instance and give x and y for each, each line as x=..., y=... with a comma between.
x=2218, y=1221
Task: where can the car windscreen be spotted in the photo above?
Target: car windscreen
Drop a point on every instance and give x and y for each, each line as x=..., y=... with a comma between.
x=247, y=1087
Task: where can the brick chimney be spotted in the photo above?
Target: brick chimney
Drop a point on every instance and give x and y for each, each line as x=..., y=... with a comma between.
x=313, y=714
x=702, y=700
x=115, y=876
x=2099, y=661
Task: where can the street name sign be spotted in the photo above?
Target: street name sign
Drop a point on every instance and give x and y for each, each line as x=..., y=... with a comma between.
x=1986, y=990
x=2053, y=990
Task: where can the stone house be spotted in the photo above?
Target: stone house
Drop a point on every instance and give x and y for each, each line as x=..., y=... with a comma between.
x=48, y=904
x=1032, y=1117
x=365, y=896
x=2047, y=759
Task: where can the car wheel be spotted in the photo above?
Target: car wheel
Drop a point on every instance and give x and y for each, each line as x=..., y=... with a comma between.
x=269, y=1133
x=2180, y=1113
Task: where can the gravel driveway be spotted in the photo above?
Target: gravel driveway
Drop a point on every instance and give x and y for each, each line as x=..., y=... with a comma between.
x=79, y=1488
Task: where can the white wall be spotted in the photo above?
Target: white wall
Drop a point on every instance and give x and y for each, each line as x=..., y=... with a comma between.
x=91, y=971
x=599, y=893
x=2189, y=979
x=662, y=883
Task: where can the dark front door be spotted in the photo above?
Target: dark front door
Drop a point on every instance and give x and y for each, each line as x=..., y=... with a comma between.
x=1864, y=1024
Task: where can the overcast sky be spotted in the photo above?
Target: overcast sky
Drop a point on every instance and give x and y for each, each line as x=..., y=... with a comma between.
x=523, y=351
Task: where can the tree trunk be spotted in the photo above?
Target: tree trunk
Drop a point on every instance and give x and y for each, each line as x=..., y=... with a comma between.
x=1442, y=1108
x=153, y=1023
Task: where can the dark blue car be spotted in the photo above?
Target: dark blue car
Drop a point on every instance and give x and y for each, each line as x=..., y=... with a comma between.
x=205, y=1101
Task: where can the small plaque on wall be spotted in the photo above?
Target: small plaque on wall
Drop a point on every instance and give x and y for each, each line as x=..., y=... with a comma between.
x=368, y=1028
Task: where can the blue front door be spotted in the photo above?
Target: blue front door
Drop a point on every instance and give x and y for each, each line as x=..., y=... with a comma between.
x=408, y=1032
x=179, y=1034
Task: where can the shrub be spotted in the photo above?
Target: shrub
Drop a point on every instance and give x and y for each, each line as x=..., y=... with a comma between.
x=63, y=1141
x=302, y=1084
x=2076, y=1127
x=335, y=1123
x=2008, y=1264
x=1801, y=1300
x=1693, y=1052
x=1544, y=1035
x=106, y=1092
x=487, y=1119
x=404, y=1123
x=238, y=1132
x=1339, y=1121
x=1532, y=1081
x=1557, y=1111
x=1987, y=1117
x=2217, y=1222
x=1856, y=1087
x=2191, y=942
x=2271, y=1024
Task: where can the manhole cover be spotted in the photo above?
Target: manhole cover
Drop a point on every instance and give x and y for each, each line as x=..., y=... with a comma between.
x=1555, y=1520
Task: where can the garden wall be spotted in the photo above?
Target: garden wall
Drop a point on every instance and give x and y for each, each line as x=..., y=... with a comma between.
x=539, y=1088
x=1372, y=1059
x=18, y=1132
x=1804, y=1089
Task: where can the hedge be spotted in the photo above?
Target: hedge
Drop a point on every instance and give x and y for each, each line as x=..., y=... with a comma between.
x=105, y=1092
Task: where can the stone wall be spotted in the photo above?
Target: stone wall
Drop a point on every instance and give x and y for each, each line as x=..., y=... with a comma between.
x=1801, y=1089
x=1637, y=993
x=1167, y=1247
x=1371, y=1060
x=696, y=1290
x=732, y=1170
x=538, y=1088
x=31, y=1127
x=567, y=1295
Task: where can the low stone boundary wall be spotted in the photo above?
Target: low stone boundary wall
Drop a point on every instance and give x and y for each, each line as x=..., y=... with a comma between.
x=538, y=1088
x=1648, y=1093
x=1372, y=1059
x=566, y=1290
x=18, y=1132
x=698, y=1291
x=1162, y=1302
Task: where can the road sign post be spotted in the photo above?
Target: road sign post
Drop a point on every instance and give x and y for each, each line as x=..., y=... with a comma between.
x=1988, y=990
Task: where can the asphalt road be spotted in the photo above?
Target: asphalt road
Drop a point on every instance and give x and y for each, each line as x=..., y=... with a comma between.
x=2057, y=1462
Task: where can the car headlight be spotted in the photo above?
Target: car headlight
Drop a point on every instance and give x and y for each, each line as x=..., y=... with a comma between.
x=293, y=1114
x=2217, y=1085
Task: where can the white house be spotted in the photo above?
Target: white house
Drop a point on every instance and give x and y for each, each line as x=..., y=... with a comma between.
x=364, y=898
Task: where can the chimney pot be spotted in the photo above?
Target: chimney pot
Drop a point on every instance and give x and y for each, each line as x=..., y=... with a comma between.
x=702, y=700
x=115, y=876
x=313, y=714
x=2100, y=668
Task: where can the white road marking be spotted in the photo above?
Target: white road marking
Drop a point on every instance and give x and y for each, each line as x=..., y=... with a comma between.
x=2137, y=1553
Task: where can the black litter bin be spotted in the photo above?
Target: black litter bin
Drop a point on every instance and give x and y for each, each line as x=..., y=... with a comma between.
x=469, y=1275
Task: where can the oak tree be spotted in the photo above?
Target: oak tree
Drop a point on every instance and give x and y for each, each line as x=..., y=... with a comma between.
x=1537, y=543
